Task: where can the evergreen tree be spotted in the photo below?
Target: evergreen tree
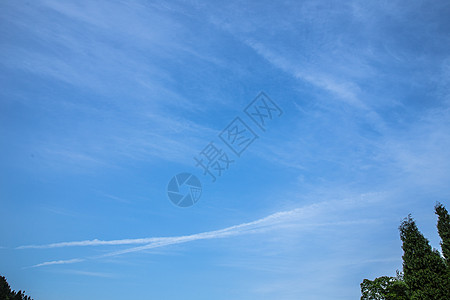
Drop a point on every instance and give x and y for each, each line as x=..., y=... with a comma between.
x=5, y=289
x=7, y=294
x=424, y=269
x=443, y=226
x=426, y=274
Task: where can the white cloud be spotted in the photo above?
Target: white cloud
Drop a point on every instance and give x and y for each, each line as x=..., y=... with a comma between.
x=343, y=90
x=154, y=242
x=89, y=273
x=284, y=219
x=59, y=262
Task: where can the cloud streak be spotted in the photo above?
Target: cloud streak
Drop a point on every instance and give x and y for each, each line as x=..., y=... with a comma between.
x=346, y=91
x=153, y=242
x=275, y=220
x=59, y=262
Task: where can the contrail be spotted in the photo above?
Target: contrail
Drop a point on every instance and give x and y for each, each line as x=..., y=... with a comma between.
x=236, y=229
x=260, y=225
x=265, y=223
x=94, y=242
x=59, y=262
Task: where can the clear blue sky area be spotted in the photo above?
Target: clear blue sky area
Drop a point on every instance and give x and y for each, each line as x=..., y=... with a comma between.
x=102, y=103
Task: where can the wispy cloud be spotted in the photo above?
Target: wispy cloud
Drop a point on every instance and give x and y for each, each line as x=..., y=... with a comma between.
x=135, y=80
x=154, y=242
x=59, y=262
x=283, y=219
x=343, y=90
x=89, y=273
x=94, y=242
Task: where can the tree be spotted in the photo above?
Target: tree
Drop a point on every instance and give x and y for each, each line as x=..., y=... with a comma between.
x=443, y=226
x=7, y=294
x=384, y=288
x=426, y=274
x=424, y=269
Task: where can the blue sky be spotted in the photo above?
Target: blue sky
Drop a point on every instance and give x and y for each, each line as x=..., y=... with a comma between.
x=102, y=102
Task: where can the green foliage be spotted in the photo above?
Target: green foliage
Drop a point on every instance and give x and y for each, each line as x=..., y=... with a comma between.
x=398, y=291
x=7, y=294
x=424, y=269
x=384, y=288
x=426, y=274
x=443, y=226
